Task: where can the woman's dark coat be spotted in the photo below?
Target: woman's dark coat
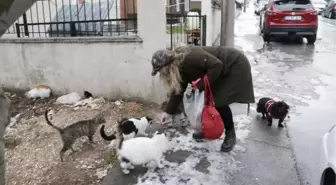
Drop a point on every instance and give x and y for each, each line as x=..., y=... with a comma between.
x=229, y=73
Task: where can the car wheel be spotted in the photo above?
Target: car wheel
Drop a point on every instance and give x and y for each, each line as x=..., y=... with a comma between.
x=266, y=37
x=322, y=13
x=311, y=39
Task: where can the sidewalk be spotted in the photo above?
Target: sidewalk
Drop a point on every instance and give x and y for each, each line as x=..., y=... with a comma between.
x=262, y=156
x=189, y=162
x=268, y=158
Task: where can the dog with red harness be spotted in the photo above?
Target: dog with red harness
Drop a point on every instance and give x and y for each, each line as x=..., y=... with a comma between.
x=270, y=109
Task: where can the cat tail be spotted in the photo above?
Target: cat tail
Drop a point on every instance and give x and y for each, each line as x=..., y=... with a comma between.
x=106, y=137
x=49, y=123
x=120, y=135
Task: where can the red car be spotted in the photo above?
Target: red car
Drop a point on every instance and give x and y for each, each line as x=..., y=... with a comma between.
x=289, y=17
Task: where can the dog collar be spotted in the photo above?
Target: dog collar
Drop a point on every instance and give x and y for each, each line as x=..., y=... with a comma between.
x=268, y=104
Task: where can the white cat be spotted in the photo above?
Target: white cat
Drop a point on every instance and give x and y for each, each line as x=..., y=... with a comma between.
x=40, y=91
x=141, y=151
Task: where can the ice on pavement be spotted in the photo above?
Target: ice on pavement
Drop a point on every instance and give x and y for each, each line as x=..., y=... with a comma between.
x=222, y=165
x=245, y=25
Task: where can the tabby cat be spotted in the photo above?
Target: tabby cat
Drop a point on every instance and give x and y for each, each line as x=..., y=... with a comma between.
x=79, y=129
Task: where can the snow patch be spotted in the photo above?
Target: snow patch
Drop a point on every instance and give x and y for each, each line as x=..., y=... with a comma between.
x=101, y=173
x=222, y=165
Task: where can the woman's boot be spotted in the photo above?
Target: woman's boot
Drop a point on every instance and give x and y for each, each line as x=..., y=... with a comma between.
x=229, y=140
x=198, y=136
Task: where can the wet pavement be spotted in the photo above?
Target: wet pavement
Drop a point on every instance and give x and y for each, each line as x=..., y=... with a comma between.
x=302, y=75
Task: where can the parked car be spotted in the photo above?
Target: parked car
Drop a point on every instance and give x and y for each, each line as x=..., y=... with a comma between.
x=328, y=158
x=330, y=10
x=259, y=5
x=289, y=18
x=261, y=18
x=319, y=5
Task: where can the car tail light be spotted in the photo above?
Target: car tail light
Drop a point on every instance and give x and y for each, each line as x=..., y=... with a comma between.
x=314, y=13
x=270, y=13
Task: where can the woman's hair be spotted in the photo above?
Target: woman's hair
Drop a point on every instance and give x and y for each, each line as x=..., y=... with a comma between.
x=171, y=74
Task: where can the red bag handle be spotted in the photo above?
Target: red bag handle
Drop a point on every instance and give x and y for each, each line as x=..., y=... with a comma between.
x=194, y=83
x=207, y=92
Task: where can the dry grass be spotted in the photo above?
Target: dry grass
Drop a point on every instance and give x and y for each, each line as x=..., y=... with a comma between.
x=32, y=146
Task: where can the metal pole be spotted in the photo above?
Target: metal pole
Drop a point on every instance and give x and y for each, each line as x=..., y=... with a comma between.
x=245, y=2
x=227, y=23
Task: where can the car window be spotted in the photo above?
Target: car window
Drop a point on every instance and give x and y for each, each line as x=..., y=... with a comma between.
x=290, y=5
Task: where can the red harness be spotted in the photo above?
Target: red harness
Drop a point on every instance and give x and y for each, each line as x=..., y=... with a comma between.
x=268, y=105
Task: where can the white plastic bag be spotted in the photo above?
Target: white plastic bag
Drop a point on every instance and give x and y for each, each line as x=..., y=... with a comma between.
x=193, y=105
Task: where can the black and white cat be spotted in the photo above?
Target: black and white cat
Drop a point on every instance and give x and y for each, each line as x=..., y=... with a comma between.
x=129, y=127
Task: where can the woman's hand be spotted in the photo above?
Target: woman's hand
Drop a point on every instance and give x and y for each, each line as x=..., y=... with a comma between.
x=166, y=118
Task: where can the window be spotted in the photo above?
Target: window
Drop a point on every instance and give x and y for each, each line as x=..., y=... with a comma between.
x=290, y=5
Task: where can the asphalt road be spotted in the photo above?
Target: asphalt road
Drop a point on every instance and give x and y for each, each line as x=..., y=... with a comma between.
x=290, y=70
x=304, y=76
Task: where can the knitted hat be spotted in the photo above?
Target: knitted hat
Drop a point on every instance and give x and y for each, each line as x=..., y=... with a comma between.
x=160, y=59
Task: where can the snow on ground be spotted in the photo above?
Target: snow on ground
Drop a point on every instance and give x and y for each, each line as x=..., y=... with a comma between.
x=221, y=165
x=245, y=25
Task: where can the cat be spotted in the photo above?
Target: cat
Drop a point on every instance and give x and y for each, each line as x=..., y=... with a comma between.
x=40, y=91
x=87, y=95
x=141, y=151
x=72, y=132
x=130, y=127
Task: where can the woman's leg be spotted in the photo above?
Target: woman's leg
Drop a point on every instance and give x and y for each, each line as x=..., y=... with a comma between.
x=230, y=134
x=226, y=115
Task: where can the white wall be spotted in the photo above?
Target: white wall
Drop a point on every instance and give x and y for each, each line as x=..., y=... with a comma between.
x=213, y=22
x=103, y=66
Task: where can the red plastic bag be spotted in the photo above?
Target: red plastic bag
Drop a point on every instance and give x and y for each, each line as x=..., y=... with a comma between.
x=212, y=123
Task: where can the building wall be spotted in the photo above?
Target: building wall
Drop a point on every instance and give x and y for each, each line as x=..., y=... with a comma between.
x=115, y=67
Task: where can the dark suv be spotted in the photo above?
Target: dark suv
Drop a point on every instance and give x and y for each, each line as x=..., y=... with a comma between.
x=330, y=10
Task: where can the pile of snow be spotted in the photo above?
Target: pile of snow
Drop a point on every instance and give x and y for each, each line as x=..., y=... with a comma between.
x=222, y=165
x=76, y=100
x=70, y=98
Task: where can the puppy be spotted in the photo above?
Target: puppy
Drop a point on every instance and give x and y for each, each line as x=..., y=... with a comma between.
x=270, y=109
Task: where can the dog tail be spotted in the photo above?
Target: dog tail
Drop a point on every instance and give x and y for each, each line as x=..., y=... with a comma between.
x=49, y=123
x=106, y=137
